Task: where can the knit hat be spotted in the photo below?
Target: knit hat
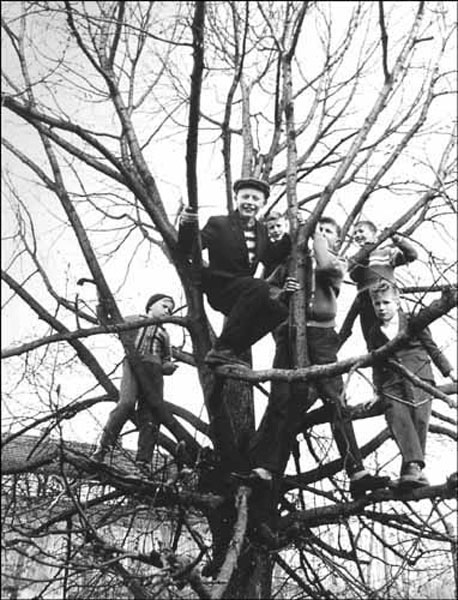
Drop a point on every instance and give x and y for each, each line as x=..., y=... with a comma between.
x=252, y=182
x=155, y=297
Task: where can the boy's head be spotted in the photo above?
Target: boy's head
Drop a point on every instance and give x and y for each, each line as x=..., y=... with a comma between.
x=275, y=225
x=385, y=300
x=364, y=232
x=160, y=305
x=250, y=196
x=331, y=230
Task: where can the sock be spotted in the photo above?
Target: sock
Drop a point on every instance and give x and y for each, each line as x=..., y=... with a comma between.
x=358, y=475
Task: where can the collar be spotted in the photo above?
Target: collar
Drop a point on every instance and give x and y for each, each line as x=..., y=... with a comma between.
x=391, y=329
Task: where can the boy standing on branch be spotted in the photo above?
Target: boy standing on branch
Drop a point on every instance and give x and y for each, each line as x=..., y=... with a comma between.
x=236, y=244
x=272, y=443
x=407, y=406
x=152, y=345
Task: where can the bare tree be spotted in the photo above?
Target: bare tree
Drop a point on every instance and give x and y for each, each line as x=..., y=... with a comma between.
x=113, y=112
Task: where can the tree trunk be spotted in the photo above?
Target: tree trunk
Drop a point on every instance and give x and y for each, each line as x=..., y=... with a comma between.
x=253, y=578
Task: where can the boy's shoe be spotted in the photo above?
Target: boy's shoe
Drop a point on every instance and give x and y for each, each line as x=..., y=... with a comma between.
x=412, y=477
x=224, y=357
x=424, y=480
x=452, y=481
x=99, y=454
x=367, y=483
x=258, y=475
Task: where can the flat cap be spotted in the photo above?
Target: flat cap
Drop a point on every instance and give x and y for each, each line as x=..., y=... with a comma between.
x=252, y=182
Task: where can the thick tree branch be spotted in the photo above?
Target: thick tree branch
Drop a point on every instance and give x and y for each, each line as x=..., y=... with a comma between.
x=427, y=315
x=235, y=545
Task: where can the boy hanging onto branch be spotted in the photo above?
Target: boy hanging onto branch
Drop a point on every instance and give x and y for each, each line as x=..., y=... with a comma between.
x=378, y=265
x=236, y=244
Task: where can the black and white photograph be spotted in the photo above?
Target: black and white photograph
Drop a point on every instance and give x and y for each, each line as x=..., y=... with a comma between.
x=229, y=300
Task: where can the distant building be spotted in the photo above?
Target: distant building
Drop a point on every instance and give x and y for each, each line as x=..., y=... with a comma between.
x=33, y=564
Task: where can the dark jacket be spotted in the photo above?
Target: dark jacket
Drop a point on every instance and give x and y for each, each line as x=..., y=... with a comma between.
x=414, y=355
x=227, y=250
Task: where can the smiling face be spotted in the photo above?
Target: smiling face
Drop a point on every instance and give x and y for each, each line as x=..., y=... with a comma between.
x=329, y=231
x=363, y=234
x=249, y=202
x=276, y=229
x=161, y=308
x=386, y=305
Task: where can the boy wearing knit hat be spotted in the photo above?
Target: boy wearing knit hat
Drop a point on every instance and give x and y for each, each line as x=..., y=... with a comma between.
x=152, y=344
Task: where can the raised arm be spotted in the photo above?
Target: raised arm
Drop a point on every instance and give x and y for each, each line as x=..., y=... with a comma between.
x=406, y=253
x=188, y=229
x=327, y=263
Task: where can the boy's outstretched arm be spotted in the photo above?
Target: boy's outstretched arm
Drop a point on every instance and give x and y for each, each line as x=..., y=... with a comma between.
x=437, y=356
x=406, y=252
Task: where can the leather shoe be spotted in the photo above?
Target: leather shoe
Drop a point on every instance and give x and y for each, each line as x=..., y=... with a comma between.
x=359, y=487
x=254, y=476
x=412, y=477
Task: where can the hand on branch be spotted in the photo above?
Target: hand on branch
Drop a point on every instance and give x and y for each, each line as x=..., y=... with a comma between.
x=291, y=285
x=169, y=367
x=453, y=376
x=396, y=239
x=189, y=216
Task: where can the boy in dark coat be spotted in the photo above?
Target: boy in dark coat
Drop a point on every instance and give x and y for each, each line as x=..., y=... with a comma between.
x=236, y=244
x=379, y=265
x=270, y=448
x=407, y=406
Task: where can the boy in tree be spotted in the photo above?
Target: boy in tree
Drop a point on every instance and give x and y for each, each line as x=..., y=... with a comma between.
x=236, y=244
x=282, y=416
x=378, y=265
x=152, y=344
x=276, y=226
x=407, y=405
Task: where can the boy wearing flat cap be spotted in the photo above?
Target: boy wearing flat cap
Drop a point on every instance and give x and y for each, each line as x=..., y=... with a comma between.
x=236, y=244
x=152, y=344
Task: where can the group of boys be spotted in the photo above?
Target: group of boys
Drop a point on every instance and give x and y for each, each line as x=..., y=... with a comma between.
x=253, y=306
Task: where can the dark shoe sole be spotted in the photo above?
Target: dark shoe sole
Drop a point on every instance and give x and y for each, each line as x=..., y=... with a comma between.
x=251, y=479
x=221, y=362
x=381, y=484
x=411, y=484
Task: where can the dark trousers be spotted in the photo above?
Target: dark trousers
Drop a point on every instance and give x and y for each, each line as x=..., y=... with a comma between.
x=147, y=417
x=362, y=306
x=250, y=311
x=322, y=347
x=408, y=423
x=367, y=316
x=272, y=443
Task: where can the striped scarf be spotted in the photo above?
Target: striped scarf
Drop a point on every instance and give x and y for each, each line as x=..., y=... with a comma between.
x=250, y=241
